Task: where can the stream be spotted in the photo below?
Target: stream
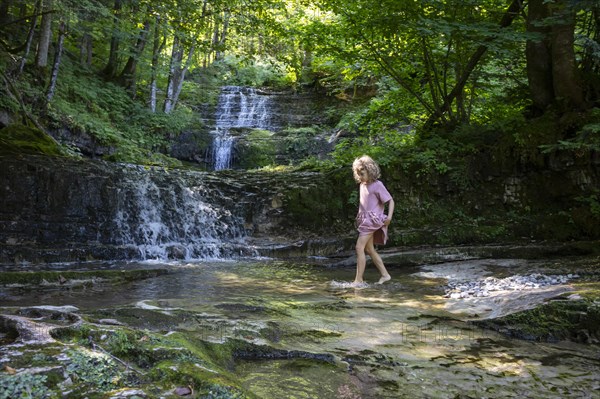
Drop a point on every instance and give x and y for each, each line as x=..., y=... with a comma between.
x=180, y=288
x=400, y=339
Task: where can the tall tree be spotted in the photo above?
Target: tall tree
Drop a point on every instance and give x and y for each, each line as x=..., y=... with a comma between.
x=433, y=50
x=57, y=59
x=177, y=72
x=159, y=42
x=567, y=87
x=221, y=27
x=187, y=32
x=41, y=59
x=539, y=56
x=29, y=41
x=110, y=69
x=174, y=74
x=551, y=65
x=127, y=76
x=590, y=53
x=4, y=11
x=511, y=13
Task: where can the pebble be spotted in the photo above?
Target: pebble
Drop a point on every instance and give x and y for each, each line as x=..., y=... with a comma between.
x=483, y=287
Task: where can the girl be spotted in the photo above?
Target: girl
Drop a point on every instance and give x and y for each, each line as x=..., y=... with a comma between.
x=371, y=221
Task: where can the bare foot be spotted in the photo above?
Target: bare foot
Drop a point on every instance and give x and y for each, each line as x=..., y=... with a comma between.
x=383, y=279
x=359, y=284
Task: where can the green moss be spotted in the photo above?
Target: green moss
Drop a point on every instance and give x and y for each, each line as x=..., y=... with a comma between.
x=58, y=277
x=320, y=204
x=18, y=139
x=315, y=335
x=130, y=154
x=552, y=321
x=297, y=144
x=153, y=361
x=36, y=357
x=256, y=150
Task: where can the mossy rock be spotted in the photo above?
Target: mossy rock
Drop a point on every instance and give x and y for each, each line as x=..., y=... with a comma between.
x=64, y=277
x=20, y=139
x=256, y=150
x=573, y=320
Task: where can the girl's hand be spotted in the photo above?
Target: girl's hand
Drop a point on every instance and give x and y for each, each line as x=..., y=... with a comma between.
x=387, y=221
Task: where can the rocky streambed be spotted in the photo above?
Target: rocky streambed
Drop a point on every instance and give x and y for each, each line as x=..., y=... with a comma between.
x=483, y=287
x=270, y=329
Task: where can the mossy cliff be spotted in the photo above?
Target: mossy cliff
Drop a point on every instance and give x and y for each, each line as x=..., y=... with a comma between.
x=64, y=208
x=496, y=198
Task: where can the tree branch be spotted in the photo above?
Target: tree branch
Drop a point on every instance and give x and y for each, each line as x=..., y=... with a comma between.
x=511, y=13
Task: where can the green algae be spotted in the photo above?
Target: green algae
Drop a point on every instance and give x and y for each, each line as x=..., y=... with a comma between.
x=576, y=320
x=296, y=378
x=63, y=277
x=257, y=352
x=102, y=360
x=575, y=317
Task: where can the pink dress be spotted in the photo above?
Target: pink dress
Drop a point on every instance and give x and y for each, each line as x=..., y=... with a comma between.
x=370, y=218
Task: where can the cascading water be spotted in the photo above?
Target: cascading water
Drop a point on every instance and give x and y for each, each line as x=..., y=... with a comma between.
x=176, y=215
x=238, y=107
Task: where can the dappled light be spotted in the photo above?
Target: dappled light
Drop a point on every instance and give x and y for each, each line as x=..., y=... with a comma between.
x=398, y=328
x=302, y=199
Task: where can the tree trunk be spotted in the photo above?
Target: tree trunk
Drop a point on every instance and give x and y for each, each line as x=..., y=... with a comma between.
x=34, y=18
x=207, y=54
x=215, y=41
x=57, y=58
x=4, y=11
x=22, y=9
x=182, y=75
x=511, y=13
x=567, y=88
x=127, y=76
x=223, y=37
x=174, y=69
x=110, y=69
x=41, y=59
x=590, y=67
x=539, y=57
x=85, y=50
x=156, y=50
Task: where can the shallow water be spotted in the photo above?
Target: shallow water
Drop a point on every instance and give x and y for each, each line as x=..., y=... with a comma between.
x=399, y=339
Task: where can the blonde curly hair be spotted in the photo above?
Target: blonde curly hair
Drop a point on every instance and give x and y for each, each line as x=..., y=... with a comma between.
x=369, y=165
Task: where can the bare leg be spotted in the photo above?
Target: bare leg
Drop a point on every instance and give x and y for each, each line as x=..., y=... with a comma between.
x=361, y=258
x=370, y=249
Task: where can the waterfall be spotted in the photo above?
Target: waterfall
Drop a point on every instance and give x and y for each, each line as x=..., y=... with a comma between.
x=238, y=107
x=176, y=215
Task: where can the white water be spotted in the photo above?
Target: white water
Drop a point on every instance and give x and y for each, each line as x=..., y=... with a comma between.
x=173, y=216
x=238, y=107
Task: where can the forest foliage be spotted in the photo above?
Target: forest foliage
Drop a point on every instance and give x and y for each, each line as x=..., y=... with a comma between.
x=426, y=80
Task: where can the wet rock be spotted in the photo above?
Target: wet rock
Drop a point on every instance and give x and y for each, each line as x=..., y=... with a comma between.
x=111, y=322
x=58, y=210
x=9, y=370
x=483, y=287
x=574, y=320
x=37, y=325
x=241, y=307
x=249, y=351
x=184, y=391
x=130, y=393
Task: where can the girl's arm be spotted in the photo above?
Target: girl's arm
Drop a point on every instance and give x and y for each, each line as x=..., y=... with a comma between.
x=390, y=212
